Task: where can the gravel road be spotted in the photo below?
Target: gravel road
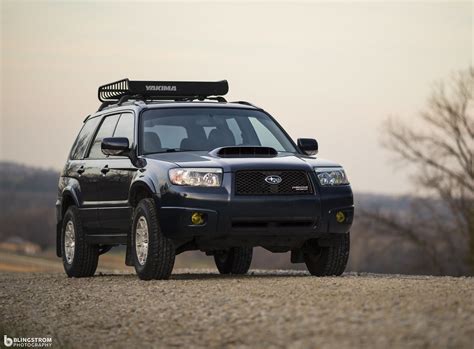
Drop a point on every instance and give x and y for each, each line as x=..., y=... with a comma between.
x=265, y=309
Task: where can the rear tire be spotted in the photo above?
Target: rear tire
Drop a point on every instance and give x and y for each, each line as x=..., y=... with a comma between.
x=80, y=259
x=329, y=260
x=235, y=260
x=153, y=254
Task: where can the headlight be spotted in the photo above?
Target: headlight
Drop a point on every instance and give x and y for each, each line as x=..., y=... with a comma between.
x=329, y=176
x=197, y=177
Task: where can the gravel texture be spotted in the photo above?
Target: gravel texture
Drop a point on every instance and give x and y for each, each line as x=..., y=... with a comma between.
x=264, y=309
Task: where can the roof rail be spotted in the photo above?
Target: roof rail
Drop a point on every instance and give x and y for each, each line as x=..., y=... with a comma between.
x=245, y=103
x=125, y=89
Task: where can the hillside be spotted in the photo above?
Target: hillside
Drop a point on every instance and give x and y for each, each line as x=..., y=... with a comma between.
x=28, y=195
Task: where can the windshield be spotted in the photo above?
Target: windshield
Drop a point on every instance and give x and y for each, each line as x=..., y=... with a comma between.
x=186, y=129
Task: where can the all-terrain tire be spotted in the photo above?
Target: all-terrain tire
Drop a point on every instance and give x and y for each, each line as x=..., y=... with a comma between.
x=85, y=256
x=235, y=260
x=160, y=256
x=329, y=260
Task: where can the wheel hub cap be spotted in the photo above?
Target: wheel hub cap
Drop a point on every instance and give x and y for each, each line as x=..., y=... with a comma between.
x=141, y=240
x=69, y=242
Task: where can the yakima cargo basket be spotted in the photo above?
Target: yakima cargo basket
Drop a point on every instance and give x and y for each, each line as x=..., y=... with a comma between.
x=155, y=90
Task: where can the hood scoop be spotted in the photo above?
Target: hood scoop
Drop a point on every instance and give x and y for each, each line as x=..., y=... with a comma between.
x=244, y=152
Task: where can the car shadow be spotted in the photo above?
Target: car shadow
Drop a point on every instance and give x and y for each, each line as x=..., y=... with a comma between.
x=200, y=275
x=208, y=276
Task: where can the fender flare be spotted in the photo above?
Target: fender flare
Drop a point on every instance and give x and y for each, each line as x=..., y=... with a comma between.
x=140, y=184
x=69, y=191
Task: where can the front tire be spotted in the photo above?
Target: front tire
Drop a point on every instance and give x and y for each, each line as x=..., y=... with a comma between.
x=153, y=254
x=235, y=260
x=329, y=260
x=80, y=259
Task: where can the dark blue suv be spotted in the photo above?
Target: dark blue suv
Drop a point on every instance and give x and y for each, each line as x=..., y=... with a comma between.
x=167, y=167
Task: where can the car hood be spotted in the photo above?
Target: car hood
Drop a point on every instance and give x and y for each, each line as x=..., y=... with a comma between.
x=282, y=161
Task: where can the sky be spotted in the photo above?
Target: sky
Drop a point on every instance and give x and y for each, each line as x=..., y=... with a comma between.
x=333, y=71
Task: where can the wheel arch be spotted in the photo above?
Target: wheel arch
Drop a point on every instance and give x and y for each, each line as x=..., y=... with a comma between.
x=141, y=189
x=68, y=199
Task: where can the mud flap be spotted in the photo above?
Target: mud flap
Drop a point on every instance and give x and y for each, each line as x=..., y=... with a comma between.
x=128, y=253
x=58, y=238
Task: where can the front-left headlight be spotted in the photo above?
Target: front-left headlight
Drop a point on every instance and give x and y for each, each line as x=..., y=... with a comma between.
x=196, y=177
x=330, y=176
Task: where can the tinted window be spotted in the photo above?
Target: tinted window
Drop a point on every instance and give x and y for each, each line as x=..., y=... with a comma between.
x=208, y=129
x=106, y=130
x=265, y=137
x=82, y=140
x=235, y=129
x=161, y=137
x=125, y=127
x=184, y=129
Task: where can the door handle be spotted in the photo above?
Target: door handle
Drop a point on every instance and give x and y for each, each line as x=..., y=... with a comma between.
x=105, y=169
x=81, y=170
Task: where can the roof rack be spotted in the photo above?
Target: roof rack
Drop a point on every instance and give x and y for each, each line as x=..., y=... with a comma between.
x=125, y=89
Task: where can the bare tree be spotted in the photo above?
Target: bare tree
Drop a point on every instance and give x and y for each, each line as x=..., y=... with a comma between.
x=439, y=146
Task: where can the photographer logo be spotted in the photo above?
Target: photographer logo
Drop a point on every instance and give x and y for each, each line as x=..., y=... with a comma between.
x=7, y=341
x=27, y=342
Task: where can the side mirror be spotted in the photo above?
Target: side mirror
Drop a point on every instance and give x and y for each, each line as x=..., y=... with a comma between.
x=115, y=146
x=309, y=146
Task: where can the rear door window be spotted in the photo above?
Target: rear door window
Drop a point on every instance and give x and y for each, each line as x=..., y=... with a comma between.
x=83, y=139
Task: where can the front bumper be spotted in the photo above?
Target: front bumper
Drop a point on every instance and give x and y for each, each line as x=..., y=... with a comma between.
x=279, y=219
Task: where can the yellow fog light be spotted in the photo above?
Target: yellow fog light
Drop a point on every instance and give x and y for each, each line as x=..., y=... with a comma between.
x=197, y=218
x=340, y=217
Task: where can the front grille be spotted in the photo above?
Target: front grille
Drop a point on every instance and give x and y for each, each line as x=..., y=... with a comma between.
x=253, y=182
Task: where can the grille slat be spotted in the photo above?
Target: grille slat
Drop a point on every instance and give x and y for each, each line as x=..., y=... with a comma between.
x=252, y=182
